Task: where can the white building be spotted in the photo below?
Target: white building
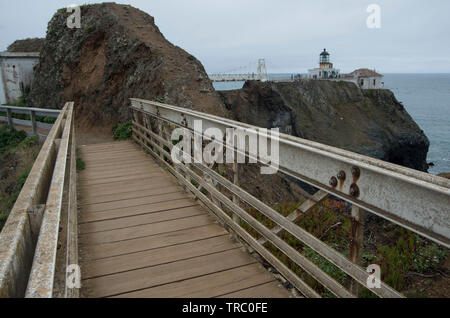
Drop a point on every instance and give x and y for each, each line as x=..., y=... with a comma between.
x=365, y=78
x=16, y=73
x=325, y=70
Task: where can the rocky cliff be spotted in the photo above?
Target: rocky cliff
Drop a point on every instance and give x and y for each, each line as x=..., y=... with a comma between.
x=339, y=114
x=118, y=53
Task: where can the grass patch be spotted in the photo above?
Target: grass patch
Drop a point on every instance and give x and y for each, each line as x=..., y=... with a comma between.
x=331, y=223
x=21, y=102
x=30, y=141
x=17, y=155
x=9, y=137
x=410, y=253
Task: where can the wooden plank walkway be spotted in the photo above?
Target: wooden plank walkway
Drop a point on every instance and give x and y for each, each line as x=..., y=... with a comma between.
x=141, y=235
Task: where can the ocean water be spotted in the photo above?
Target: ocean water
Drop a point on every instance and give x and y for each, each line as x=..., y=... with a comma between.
x=426, y=97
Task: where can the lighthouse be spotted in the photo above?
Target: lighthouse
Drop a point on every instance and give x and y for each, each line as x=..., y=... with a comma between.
x=325, y=70
x=325, y=60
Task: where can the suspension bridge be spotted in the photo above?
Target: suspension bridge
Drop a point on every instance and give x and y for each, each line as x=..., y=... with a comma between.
x=136, y=224
x=238, y=76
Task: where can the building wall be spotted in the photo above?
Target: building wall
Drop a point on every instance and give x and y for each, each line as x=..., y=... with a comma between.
x=2, y=88
x=16, y=73
x=370, y=82
x=319, y=73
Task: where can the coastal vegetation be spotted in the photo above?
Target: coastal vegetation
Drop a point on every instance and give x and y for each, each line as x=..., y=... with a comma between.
x=401, y=254
x=17, y=155
x=122, y=131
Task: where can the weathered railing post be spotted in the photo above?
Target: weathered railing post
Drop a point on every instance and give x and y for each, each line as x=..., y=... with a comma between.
x=356, y=242
x=236, y=182
x=33, y=122
x=10, y=118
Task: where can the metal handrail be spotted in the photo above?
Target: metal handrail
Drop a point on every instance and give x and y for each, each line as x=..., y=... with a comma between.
x=314, y=164
x=26, y=110
x=33, y=112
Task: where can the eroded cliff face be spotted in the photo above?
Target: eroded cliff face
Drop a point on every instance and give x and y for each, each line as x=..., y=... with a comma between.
x=339, y=114
x=117, y=54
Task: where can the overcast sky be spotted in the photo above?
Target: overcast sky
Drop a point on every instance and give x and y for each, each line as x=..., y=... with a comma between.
x=228, y=34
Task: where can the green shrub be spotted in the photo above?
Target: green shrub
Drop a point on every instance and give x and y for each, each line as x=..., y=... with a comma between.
x=10, y=138
x=428, y=257
x=410, y=253
x=195, y=183
x=22, y=179
x=81, y=165
x=123, y=131
x=30, y=141
x=46, y=120
x=18, y=188
x=21, y=102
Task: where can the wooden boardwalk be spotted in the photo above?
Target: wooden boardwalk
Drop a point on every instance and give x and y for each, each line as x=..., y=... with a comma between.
x=141, y=235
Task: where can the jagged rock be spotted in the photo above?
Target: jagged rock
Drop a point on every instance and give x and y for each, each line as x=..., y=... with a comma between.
x=118, y=53
x=339, y=114
x=27, y=45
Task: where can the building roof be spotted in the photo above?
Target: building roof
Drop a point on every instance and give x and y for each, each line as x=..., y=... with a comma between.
x=364, y=72
x=324, y=53
x=19, y=54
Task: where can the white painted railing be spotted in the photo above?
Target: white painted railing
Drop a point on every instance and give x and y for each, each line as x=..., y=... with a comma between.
x=412, y=199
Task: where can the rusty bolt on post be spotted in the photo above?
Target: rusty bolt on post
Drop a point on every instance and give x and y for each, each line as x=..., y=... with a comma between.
x=333, y=182
x=354, y=190
x=341, y=175
x=356, y=172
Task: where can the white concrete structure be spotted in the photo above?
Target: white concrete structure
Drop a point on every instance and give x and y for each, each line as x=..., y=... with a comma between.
x=16, y=73
x=365, y=78
x=325, y=70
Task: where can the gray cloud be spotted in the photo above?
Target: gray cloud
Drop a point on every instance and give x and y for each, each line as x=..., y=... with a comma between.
x=290, y=34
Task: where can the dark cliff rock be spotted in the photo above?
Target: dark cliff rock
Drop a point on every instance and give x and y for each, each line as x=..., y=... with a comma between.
x=339, y=114
x=117, y=54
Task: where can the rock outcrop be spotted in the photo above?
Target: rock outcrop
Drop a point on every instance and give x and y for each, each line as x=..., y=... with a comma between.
x=118, y=53
x=339, y=114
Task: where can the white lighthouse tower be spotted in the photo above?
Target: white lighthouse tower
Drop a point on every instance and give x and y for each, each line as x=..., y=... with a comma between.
x=325, y=70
